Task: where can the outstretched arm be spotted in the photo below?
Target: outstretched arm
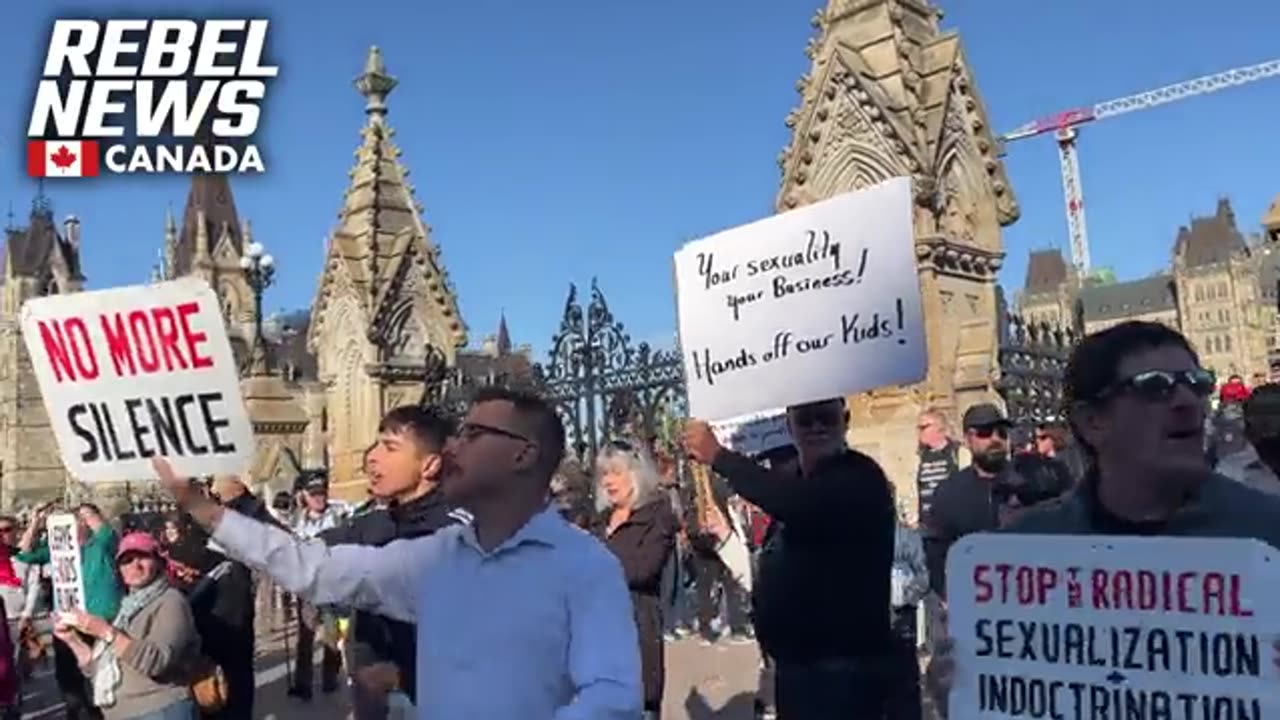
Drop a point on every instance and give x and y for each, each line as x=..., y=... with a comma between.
x=381, y=580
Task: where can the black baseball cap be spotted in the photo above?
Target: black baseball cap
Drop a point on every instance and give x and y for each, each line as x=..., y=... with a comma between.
x=312, y=480
x=984, y=415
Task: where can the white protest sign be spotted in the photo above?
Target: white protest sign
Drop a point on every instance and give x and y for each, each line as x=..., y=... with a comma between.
x=135, y=372
x=1113, y=627
x=754, y=433
x=64, y=562
x=816, y=303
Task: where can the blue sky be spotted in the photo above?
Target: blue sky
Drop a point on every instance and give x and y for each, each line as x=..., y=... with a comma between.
x=553, y=141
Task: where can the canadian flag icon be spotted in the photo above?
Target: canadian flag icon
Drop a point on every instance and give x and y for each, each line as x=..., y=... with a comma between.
x=62, y=158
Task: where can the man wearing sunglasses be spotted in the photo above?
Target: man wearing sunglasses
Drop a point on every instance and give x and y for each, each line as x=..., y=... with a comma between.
x=964, y=502
x=821, y=596
x=1137, y=399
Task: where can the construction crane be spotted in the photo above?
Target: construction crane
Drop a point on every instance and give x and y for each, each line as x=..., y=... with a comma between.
x=1064, y=125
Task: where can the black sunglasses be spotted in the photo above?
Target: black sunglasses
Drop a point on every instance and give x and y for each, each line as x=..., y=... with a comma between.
x=814, y=418
x=471, y=431
x=1026, y=494
x=985, y=432
x=1160, y=384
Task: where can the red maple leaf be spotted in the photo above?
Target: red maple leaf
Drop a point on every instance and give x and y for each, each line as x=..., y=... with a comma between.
x=63, y=158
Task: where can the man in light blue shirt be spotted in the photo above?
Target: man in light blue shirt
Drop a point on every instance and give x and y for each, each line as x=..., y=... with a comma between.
x=519, y=614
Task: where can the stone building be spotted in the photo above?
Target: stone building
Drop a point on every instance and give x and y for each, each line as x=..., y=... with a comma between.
x=321, y=378
x=889, y=93
x=1219, y=290
x=39, y=259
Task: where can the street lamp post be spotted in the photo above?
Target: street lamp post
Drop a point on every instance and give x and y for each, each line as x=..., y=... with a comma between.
x=259, y=272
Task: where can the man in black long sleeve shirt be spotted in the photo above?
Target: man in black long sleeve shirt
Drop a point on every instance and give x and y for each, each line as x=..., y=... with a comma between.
x=403, y=466
x=821, y=597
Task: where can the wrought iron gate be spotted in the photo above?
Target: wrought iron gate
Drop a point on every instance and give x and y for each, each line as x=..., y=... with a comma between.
x=603, y=386
x=1032, y=358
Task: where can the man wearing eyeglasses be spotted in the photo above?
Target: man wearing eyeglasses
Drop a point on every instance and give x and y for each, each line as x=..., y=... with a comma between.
x=821, y=598
x=519, y=614
x=965, y=502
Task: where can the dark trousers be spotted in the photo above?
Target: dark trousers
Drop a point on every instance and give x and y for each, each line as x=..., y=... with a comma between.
x=234, y=654
x=72, y=684
x=829, y=690
x=304, y=663
x=711, y=573
x=904, y=698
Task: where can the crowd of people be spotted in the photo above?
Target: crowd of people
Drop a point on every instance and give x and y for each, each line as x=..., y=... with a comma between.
x=480, y=580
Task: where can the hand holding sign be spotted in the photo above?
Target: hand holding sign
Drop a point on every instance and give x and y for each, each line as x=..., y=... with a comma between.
x=701, y=442
x=132, y=373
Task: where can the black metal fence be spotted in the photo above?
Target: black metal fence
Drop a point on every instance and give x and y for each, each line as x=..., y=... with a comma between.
x=603, y=385
x=1032, y=359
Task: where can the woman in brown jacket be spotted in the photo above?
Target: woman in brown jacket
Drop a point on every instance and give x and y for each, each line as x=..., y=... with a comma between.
x=639, y=526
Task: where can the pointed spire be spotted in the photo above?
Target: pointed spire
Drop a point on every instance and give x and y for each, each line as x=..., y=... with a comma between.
x=40, y=205
x=504, y=335
x=9, y=224
x=375, y=85
x=202, y=237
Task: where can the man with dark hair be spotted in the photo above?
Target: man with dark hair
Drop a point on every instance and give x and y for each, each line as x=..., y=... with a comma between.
x=518, y=597
x=962, y=503
x=1137, y=398
x=403, y=467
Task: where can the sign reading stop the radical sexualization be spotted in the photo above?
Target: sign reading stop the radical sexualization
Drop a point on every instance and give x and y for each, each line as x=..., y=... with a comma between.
x=1113, y=627
x=131, y=373
x=812, y=304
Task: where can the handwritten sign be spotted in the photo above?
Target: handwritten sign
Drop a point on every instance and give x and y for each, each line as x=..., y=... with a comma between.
x=1113, y=627
x=816, y=303
x=64, y=562
x=755, y=433
x=135, y=372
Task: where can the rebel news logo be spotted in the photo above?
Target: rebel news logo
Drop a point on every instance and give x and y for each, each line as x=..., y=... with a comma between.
x=149, y=96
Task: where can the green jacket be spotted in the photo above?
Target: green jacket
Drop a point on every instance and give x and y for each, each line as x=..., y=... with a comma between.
x=97, y=566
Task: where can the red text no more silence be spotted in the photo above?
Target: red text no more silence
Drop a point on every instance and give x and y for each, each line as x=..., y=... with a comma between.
x=139, y=342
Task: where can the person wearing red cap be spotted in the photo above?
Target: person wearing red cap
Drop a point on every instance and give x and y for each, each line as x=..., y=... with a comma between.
x=133, y=659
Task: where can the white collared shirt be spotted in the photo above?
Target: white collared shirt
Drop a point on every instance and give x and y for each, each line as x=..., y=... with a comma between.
x=539, y=628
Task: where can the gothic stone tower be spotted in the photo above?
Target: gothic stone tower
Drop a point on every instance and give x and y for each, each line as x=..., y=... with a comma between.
x=383, y=295
x=890, y=94
x=38, y=260
x=209, y=245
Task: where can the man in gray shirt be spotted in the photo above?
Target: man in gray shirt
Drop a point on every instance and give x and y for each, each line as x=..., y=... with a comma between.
x=519, y=615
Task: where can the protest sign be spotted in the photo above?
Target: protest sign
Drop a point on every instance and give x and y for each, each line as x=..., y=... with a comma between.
x=64, y=563
x=1113, y=627
x=131, y=373
x=754, y=433
x=816, y=303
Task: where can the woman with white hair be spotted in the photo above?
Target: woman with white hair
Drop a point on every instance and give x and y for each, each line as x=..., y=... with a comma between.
x=639, y=526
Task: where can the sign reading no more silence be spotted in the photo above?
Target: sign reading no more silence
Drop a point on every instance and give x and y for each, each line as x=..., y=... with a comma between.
x=132, y=373
x=816, y=303
x=1079, y=627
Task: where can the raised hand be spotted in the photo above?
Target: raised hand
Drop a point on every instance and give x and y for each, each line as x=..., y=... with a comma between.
x=700, y=442
x=187, y=494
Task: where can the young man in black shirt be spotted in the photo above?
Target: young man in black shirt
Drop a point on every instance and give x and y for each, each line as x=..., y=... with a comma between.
x=821, y=598
x=404, y=468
